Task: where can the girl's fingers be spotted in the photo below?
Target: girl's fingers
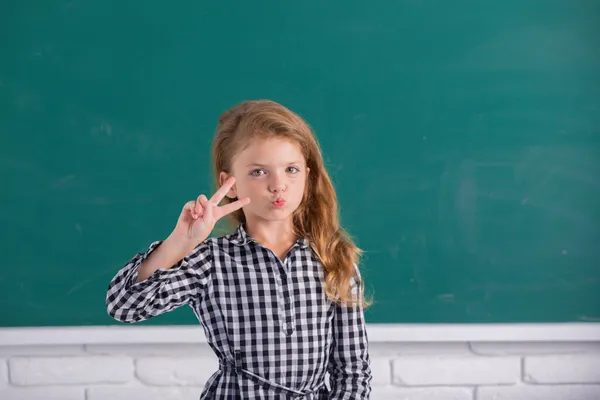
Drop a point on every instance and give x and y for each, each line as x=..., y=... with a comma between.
x=204, y=207
x=198, y=206
x=231, y=207
x=190, y=207
x=208, y=208
x=222, y=192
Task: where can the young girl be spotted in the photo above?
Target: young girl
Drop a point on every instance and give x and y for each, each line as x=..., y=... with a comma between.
x=280, y=299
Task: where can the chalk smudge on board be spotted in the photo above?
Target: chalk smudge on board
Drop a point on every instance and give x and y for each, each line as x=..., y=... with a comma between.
x=64, y=181
x=588, y=319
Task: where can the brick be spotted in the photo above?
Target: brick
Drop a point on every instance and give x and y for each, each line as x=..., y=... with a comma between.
x=404, y=349
x=45, y=393
x=527, y=348
x=58, y=350
x=159, y=349
x=3, y=372
x=453, y=370
x=437, y=393
x=26, y=371
x=536, y=392
x=163, y=371
x=574, y=368
x=381, y=368
x=143, y=393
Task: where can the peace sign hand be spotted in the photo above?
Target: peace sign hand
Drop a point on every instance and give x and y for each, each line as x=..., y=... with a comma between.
x=198, y=217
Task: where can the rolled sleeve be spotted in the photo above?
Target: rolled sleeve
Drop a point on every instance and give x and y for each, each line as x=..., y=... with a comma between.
x=166, y=289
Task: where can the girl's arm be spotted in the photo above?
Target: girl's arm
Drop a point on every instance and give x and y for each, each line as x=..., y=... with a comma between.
x=131, y=299
x=349, y=364
x=166, y=277
x=167, y=255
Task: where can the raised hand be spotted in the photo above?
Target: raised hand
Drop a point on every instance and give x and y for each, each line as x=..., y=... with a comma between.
x=198, y=217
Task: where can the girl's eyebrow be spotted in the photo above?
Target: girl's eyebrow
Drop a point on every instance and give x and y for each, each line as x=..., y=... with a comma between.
x=264, y=165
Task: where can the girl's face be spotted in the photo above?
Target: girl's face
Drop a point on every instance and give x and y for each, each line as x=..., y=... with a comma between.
x=272, y=172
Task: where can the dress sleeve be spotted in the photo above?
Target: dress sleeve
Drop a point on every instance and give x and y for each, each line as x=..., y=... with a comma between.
x=163, y=291
x=349, y=364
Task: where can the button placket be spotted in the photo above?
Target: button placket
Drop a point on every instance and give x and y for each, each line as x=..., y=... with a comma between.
x=288, y=310
x=284, y=293
x=286, y=301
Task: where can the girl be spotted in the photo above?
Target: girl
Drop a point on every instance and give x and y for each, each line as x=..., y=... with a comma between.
x=280, y=299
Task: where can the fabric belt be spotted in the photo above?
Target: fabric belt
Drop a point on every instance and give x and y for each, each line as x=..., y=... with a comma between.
x=236, y=367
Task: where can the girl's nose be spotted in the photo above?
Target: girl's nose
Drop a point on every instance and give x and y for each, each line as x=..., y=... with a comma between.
x=279, y=188
x=277, y=185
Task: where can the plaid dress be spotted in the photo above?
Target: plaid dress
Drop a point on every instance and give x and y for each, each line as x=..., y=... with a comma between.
x=275, y=333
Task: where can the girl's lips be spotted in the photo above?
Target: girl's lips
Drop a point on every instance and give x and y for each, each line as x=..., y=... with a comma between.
x=279, y=203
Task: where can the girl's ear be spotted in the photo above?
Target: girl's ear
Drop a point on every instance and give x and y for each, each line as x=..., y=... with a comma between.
x=232, y=194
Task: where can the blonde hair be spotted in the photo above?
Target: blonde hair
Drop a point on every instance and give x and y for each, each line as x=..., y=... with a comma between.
x=317, y=216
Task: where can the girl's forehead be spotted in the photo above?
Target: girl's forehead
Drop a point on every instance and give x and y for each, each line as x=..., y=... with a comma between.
x=273, y=147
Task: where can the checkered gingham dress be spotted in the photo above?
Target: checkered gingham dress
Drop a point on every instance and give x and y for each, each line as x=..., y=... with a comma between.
x=275, y=333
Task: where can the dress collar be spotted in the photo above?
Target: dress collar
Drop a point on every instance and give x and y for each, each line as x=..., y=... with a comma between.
x=241, y=237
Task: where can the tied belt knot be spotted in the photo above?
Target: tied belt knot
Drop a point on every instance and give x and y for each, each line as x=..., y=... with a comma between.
x=236, y=368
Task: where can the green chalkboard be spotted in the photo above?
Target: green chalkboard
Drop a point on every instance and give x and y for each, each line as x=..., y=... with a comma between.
x=463, y=138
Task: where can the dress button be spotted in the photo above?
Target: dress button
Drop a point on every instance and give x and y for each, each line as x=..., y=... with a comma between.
x=288, y=328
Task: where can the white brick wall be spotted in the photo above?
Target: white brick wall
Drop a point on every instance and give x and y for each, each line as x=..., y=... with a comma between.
x=565, y=368
x=69, y=370
x=402, y=370
x=457, y=371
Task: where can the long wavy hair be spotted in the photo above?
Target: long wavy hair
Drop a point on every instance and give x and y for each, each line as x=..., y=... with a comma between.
x=317, y=216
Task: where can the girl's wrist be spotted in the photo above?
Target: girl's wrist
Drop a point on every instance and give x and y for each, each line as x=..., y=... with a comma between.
x=182, y=246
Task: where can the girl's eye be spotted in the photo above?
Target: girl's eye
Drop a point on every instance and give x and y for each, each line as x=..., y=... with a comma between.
x=257, y=172
x=293, y=170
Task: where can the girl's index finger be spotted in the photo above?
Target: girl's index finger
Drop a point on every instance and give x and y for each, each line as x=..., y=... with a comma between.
x=231, y=207
x=222, y=192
